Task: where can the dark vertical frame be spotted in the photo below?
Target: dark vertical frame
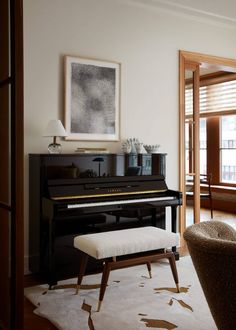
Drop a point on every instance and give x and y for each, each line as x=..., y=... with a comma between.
x=17, y=168
x=11, y=176
x=5, y=205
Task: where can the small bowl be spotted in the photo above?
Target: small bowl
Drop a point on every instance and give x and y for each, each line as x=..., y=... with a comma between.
x=152, y=149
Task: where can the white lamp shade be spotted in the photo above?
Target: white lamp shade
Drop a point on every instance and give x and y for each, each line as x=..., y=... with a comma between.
x=54, y=128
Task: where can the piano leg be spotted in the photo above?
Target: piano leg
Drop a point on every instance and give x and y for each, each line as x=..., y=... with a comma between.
x=173, y=219
x=51, y=254
x=174, y=228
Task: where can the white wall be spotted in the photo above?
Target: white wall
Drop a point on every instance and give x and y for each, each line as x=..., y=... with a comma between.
x=143, y=39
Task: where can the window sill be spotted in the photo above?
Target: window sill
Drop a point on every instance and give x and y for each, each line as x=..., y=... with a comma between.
x=224, y=189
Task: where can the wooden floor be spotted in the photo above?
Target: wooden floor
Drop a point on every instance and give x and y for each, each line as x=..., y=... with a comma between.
x=34, y=322
x=205, y=215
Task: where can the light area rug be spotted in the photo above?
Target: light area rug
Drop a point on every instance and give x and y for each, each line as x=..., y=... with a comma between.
x=132, y=301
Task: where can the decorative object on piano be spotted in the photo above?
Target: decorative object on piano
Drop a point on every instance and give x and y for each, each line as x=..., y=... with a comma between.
x=92, y=99
x=54, y=129
x=133, y=146
x=140, y=148
x=132, y=143
x=126, y=147
x=92, y=150
x=99, y=160
x=152, y=149
x=88, y=174
x=62, y=172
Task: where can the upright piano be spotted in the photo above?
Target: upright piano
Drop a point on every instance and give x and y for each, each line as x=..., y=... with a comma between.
x=73, y=194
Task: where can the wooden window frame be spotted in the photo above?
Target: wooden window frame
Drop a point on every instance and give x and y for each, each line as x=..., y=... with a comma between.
x=213, y=150
x=213, y=129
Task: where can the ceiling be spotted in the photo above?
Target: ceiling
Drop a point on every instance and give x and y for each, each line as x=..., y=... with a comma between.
x=223, y=11
x=223, y=8
x=217, y=12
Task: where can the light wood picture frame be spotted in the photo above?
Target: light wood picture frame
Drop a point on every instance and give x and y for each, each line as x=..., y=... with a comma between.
x=92, y=99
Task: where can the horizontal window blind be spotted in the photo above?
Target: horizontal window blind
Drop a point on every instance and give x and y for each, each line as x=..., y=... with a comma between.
x=213, y=98
x=189, y=99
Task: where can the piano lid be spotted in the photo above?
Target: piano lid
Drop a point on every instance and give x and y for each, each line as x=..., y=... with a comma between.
x=108, y=165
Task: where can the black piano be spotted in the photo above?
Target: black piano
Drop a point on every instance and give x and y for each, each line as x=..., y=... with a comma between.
x=72, y=194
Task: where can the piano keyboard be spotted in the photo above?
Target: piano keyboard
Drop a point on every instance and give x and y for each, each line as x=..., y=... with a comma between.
x=129, y=201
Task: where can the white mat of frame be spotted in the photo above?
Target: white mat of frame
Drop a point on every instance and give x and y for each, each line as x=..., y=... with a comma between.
x=132, y=301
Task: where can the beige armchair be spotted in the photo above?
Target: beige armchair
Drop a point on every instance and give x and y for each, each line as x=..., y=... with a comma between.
x=212, y=247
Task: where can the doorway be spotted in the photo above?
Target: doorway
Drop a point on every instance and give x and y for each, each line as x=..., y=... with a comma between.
x=192, y=66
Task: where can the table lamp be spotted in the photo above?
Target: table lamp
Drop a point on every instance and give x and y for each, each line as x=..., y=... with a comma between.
x=54, y=129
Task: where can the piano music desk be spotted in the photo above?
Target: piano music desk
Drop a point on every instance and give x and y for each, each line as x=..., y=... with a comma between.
x=126, y=248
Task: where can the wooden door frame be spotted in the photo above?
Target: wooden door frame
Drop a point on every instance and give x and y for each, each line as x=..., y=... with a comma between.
x=222, y=64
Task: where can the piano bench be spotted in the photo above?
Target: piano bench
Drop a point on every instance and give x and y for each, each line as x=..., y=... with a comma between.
x=126, y=248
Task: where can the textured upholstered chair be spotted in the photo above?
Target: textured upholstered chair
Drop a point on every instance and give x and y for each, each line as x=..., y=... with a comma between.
x=212, y=247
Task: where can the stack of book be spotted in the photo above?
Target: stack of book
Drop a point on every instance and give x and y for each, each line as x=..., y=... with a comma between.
x=92, y=150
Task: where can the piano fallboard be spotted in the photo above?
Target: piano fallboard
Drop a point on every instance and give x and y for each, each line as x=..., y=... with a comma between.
x=156, y=195
x=73, y=208
x=105, y=187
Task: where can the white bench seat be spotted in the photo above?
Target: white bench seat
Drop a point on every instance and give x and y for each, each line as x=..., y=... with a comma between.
x=126, y=241
x=136, y=246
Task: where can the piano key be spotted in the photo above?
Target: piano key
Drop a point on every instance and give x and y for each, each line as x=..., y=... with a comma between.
x=116, y=202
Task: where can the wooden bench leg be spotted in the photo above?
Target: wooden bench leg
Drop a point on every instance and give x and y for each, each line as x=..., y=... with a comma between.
x=211, y=206
x=149, y=269
x=172, y=262
x=105, y=276
x=83, y=264
x=109, y=265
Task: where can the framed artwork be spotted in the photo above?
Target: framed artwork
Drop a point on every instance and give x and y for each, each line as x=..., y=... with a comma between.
x=92, y=99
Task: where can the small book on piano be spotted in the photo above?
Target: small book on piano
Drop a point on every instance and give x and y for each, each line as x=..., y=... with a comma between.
x=92, y=150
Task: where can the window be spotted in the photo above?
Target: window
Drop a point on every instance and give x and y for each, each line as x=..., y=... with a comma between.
x=203, y=146
x=217, y=101
x=214, y=98
x=189, y=146
x=218, y=97
x=228, y=149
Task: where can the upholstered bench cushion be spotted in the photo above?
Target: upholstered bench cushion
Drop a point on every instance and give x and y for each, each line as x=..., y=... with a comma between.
x=126, y=241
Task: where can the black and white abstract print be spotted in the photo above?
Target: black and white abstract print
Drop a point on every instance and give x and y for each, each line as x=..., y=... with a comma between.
x=93, y=108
